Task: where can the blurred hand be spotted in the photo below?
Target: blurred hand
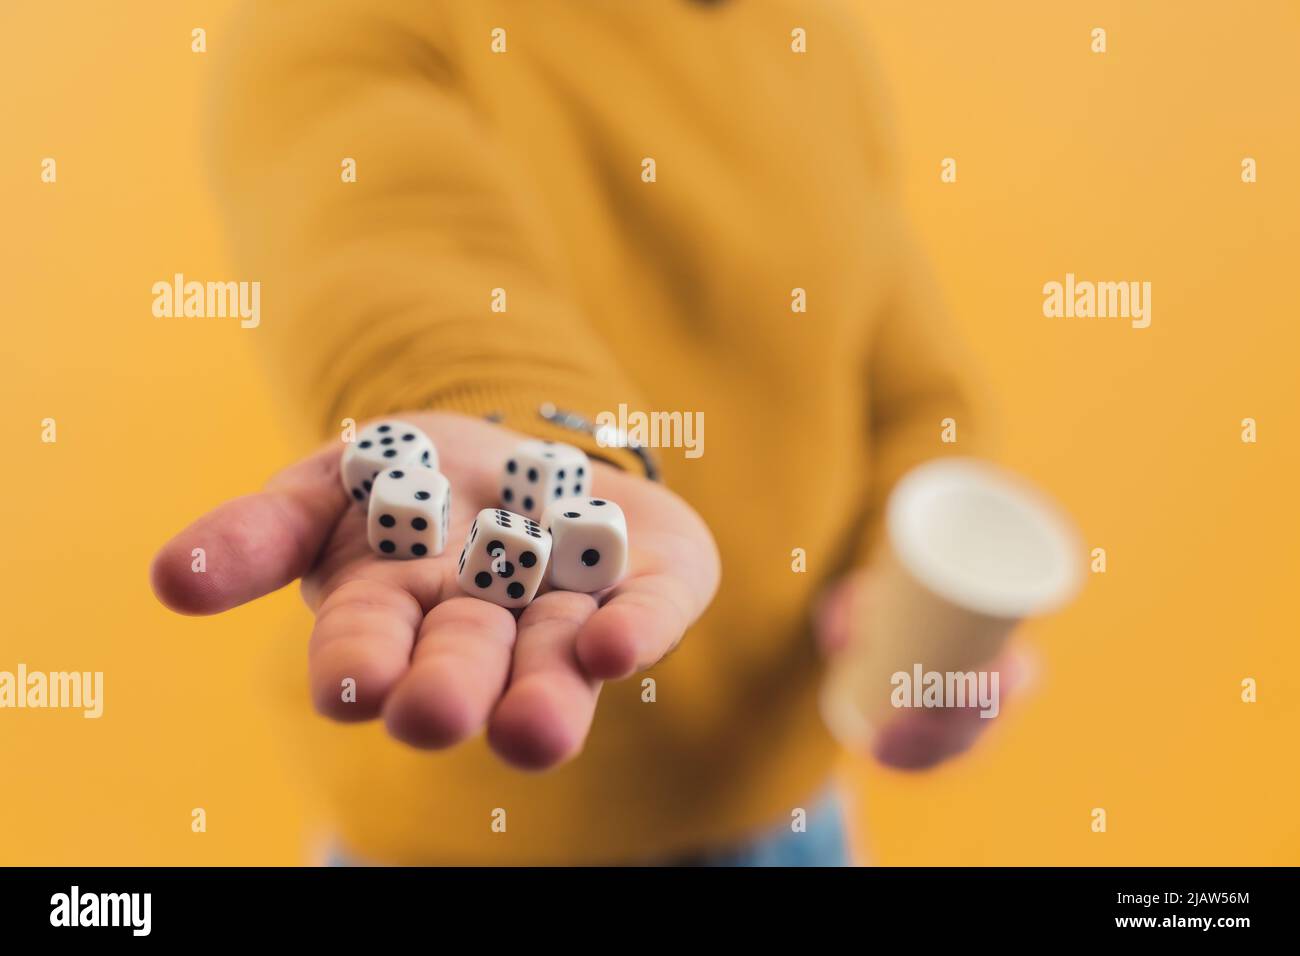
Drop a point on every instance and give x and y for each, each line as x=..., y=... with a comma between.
x=915, y=739
x=436, y=665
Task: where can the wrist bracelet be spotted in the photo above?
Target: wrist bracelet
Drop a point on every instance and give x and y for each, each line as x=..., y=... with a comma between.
x=605, y=437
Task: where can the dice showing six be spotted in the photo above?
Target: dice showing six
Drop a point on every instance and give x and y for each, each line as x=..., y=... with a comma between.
x=540, y=472
x=588, y=543
x=410, y=508
x=504, y=559
x=384, y=445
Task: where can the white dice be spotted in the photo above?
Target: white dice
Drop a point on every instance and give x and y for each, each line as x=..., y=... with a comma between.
x=504, y=559
x=382, y=445
x=588, y=543
x=540, y=472
x=410, y=508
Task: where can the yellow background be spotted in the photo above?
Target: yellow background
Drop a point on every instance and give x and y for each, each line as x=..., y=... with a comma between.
x=1117, y=166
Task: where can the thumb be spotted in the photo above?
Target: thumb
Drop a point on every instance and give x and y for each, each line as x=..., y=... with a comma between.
x=255, y=544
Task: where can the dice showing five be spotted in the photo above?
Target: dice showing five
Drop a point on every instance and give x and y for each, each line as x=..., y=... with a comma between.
x=540, y=472
x=385, y=444
x=504, y=559
x=588, y=543
x=410, y=508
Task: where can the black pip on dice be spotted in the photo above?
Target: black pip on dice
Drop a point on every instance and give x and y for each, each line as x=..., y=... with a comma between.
x=393, y=468
x=410, y=509
x=504, y=558
x=589, y=543
x=540, y=472
x=384, y=445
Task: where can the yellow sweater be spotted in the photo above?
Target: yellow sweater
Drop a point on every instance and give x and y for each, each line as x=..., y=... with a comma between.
x=503, y=145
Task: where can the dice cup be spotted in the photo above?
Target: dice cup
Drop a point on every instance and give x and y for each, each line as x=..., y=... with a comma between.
x=970, y=550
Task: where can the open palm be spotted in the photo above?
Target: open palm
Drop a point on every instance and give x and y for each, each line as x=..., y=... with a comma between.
x=401, y=641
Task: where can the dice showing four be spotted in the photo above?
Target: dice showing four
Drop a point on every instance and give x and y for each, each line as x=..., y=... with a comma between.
x=588, y=543
x=410, y=508
x=504, y=558
x=540, y=472
x=383, y=445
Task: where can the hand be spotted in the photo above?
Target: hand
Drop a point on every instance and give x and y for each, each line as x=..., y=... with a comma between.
x=914, y=739
x=435, y=664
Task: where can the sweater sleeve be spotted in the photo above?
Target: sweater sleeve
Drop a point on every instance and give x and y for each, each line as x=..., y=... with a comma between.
x=378, y=293
x=918, y=370
x=925, y=400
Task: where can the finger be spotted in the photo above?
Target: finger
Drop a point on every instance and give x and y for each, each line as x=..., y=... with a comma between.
x=459, y=669
x=641, y=621
x=253, y=545
x=836, y=611
x=547, y=710
x=920, y=739
x=360, y=647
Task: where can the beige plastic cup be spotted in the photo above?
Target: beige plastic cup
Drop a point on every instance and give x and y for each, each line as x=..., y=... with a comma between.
x=970, y=550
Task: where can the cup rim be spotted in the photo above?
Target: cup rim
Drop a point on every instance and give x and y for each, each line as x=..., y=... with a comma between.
x=913, y=503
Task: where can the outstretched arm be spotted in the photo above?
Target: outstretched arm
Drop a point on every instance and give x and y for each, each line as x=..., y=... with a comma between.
x=435, y=665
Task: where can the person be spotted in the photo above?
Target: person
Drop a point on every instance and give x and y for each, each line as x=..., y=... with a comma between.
x=462, y=213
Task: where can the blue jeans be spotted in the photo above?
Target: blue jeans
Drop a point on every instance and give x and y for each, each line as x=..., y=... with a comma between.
x=824, y=842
